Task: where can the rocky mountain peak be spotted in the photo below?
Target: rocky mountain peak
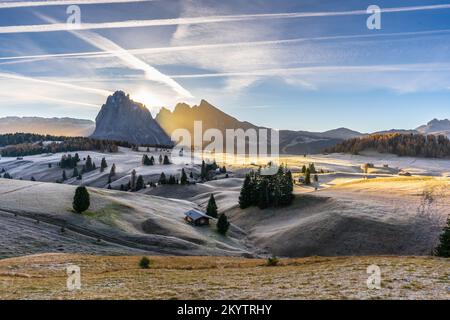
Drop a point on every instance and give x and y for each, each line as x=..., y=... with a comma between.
x=123, y=119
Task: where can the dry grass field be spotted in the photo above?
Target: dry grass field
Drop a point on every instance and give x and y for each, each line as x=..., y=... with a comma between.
x=119, y=277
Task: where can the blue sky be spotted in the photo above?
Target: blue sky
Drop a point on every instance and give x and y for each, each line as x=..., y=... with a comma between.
x=304, y=65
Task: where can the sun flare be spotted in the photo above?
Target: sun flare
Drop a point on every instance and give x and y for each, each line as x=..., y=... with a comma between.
x=148, y=99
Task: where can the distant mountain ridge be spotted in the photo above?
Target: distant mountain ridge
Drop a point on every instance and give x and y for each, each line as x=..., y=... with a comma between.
x=183, y=116
x=53, y=126
x=123, y=119
x=436, y=127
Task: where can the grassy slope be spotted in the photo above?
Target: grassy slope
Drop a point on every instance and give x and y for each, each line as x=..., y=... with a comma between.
x=43, y=277
x=129, y=220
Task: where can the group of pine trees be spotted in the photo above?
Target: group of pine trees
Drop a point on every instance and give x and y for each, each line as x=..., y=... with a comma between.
x=24, y=144
x=309, y=173
x=266, y=191
x=71, y=162
x=412, y=145
x=164, y=180
x=146, y=161
x=207, y=168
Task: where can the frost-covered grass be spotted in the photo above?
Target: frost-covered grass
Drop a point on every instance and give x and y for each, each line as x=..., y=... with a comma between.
x=103, y=277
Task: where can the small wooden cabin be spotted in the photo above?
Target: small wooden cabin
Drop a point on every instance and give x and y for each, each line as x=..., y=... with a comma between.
x=196, y=218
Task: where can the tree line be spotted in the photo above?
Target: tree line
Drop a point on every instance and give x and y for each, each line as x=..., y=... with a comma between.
x=266, y=191
x=26, y=144
x=412, y=145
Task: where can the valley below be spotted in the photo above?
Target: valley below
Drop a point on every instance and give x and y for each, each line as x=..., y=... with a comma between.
x=382, y=216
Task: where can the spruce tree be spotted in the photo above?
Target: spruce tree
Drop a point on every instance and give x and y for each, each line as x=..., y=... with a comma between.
x=139, y=183
x=160, y=159
x=304, y=169
x=222, y=224
x=245, y=199
x=211, y=209
x=64, y=176
x=172, y=180
x=184, y=179
x=263, y=194
x=75, y=172
x=81, y=201
x=308, y=177
x=203, y=172
x=443, y=249
x=103, y=165
x=166, y=160
x=162, y=179
x=112, y=172
x=133, y=180
x=88, y=165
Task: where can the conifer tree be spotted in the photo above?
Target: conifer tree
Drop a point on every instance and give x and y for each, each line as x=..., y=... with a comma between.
x=211, y=209
x=64, y=176
x=103, y=165
x=133, y=180
x=139, y=183
x=112, y=172
x=75, y=172
x=203, y=172
x=172, y=180
x=308, y=177
x=245, y=198
x=88, y=165
x=222, y=224
x=81, y=201
x=443, y=249
x=263, y=194
x=166, y=160
x=304, y=169
x=162, y=179
x=184, y=179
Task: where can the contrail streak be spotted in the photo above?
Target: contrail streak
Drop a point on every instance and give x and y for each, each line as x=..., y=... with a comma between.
x=130, y=60
x=15, y=76
x=110, y=53
x=203, y=20
x=24, y=4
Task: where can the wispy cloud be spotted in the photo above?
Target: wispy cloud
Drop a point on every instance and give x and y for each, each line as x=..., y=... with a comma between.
x=129, y=59
x=14, y=76
x=206, y=19
x=23, y=4
x=424, y=67
x=150, y=50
